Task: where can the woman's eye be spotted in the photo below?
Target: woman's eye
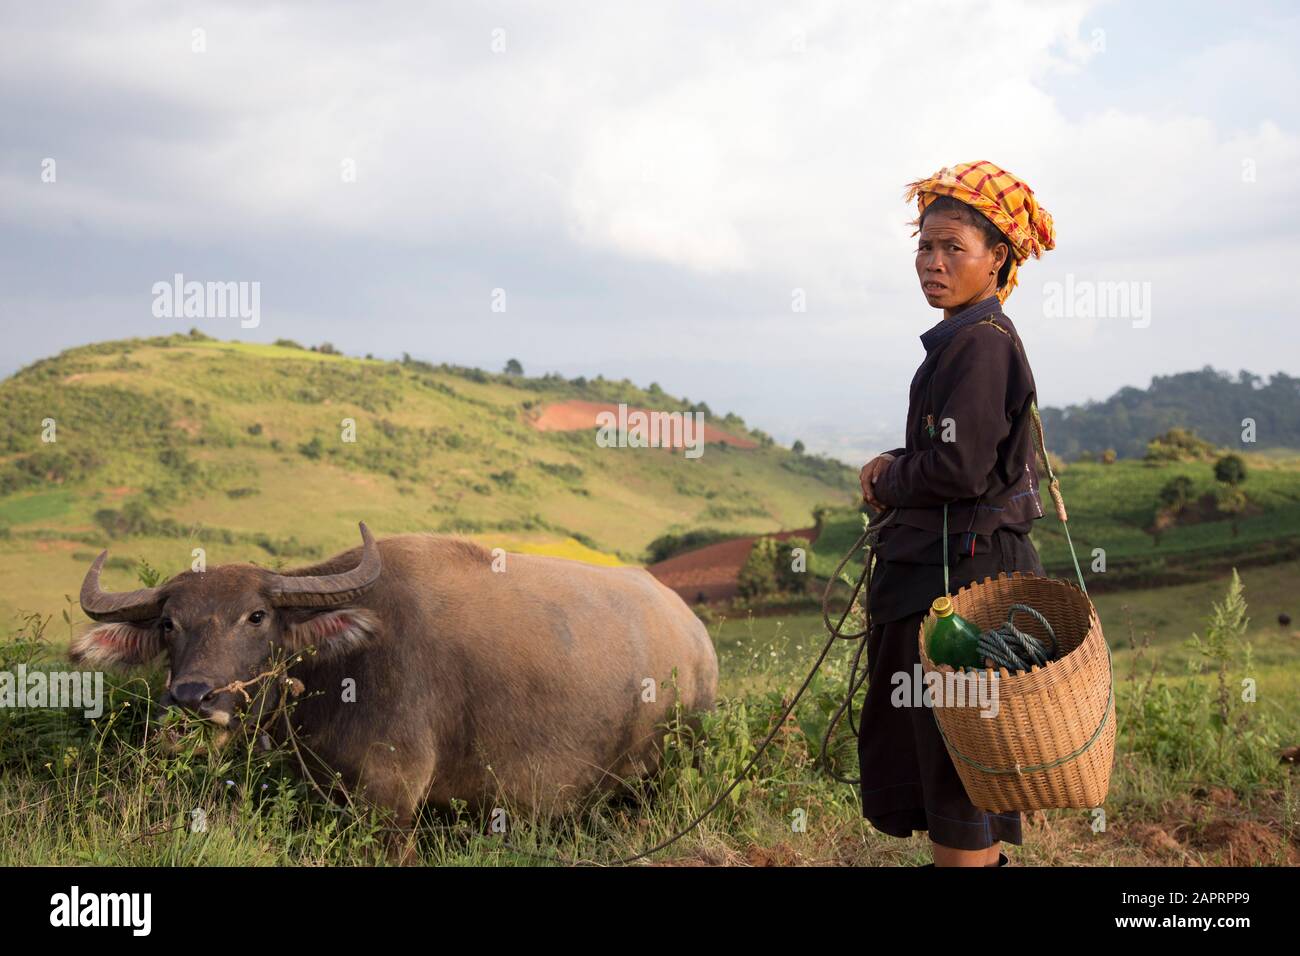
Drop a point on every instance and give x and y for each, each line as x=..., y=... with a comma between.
x=256, y=617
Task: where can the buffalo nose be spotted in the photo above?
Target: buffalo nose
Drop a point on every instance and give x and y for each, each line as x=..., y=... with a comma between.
x=191, y=694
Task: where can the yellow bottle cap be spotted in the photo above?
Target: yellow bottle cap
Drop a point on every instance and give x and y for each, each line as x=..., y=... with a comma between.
x=942, y=605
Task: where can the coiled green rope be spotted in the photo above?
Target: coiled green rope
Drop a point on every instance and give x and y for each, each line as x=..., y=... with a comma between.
x=1008, y=646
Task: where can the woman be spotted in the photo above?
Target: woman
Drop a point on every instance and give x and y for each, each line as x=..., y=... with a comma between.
x=969, y=447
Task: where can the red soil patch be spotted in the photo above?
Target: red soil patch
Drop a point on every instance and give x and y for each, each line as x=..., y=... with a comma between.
x=576, y=415
x=714, y=570
x=55, y=545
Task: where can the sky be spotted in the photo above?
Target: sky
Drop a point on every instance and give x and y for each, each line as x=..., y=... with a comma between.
x=703, y=195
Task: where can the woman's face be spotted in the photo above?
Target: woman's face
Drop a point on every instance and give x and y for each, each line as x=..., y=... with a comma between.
x=953, y=264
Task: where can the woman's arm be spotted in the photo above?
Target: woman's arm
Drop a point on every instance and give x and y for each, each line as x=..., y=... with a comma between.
x=971, y=381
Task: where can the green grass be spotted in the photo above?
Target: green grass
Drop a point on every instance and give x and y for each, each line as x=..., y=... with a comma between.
x=108, y=792
x=1109, y=507
x=42, y=506
x=171, y=443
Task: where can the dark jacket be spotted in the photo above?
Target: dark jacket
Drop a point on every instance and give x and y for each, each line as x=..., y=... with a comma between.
x=975, y=387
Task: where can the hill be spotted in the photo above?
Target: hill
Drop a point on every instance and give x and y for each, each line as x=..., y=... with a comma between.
x=1111, y=508
x=170, y=443
x=1211, y=403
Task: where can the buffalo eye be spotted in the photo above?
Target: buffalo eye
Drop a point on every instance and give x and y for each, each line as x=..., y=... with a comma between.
x=167, y=625
x=257, y=617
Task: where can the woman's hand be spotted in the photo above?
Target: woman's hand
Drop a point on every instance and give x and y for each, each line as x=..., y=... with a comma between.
x=867, y=478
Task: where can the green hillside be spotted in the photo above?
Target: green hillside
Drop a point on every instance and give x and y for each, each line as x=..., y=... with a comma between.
x=1111, y=508
x=171, y=443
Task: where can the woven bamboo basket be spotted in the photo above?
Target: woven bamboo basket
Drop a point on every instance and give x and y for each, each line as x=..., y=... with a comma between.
x=1051, y=743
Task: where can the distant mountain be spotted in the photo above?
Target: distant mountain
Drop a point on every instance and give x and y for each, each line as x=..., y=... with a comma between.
x=1210, y=402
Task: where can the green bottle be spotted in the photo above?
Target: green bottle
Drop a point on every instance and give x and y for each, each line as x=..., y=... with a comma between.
x=950, y=638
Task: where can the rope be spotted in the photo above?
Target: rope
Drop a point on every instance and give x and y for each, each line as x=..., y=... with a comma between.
x=868, y=539
x=997, y=643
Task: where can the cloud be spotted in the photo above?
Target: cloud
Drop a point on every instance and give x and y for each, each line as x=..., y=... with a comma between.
x=651, y=186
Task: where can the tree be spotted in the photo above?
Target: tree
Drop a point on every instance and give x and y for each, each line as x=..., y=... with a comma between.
x=819, y=515
x=1230, y=469
x=770, y=568
x=514, y=367
x=797, y=447
x=792, y=578
x=758, y=576
x=1231, y=501
x=1176, y=492
x=1108, y=456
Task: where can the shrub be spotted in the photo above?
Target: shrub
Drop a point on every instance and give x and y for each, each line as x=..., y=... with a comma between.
x=1209, y=733
x=1230, y=469
x=1176, y=492
x=1058, y=464
x=1179, y=444
x=758, y=575
x=312, y=449
x=770, y=568
x=792, y=576
x=667, y=545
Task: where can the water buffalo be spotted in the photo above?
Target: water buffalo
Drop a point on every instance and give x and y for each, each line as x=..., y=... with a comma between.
x=431, y=675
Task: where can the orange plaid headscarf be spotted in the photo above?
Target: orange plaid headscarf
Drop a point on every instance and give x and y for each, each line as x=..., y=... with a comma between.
x=1002, y=198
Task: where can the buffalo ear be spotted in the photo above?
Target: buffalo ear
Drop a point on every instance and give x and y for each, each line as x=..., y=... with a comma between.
x=332, y=633
x=116, y=644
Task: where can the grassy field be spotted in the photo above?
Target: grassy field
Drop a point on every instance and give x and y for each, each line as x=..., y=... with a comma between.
x=1189, y=787
x=170, y=444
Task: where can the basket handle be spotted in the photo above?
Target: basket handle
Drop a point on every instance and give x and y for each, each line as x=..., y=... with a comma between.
x=1054, y=488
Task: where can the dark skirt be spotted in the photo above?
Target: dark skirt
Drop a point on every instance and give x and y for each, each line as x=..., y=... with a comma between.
x=908, y=780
